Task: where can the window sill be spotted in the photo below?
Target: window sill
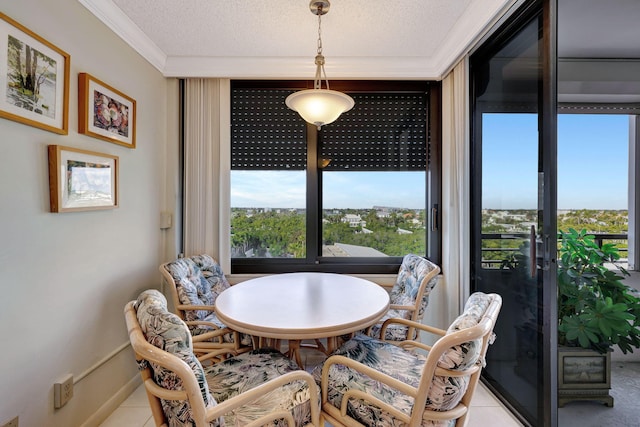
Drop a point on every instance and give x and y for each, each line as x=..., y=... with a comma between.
x=384, y=280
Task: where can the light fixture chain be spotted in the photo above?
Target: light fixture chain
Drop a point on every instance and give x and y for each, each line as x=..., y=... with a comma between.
x=319, y=51
x=317, y=106
x=320, y=72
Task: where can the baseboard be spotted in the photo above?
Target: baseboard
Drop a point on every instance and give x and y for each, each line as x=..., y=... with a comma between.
x=112, y=404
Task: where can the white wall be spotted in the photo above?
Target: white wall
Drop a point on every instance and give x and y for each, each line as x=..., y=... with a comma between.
x=64, y=278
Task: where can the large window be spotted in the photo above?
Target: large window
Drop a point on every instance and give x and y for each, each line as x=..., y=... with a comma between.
x=354, y=196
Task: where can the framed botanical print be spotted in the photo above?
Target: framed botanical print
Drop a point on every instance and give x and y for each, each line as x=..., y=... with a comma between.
x=105, y=112
x=34, y=79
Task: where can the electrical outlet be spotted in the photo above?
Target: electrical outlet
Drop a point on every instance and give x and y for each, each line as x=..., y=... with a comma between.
x=63, y=391
x=11, y=423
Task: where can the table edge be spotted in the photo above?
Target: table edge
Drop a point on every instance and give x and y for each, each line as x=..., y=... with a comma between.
x=307, y=333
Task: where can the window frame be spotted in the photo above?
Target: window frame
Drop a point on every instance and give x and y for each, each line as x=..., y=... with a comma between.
x=314, y=262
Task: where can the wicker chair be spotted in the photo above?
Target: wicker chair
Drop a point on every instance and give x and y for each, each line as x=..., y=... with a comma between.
x=194, y=284
x=261, y=387
x=409, y=297
x=371, y=382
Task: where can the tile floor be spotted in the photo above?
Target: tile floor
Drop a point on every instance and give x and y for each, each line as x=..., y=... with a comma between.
x=485, y=411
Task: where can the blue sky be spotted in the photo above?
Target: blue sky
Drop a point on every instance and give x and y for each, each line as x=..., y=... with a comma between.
x=592, y=161
x=358, y=190
x=592, y=171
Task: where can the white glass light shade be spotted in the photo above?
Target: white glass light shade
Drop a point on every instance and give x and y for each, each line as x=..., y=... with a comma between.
x=319, y=106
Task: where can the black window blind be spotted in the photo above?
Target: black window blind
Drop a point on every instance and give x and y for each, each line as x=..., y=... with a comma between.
x=384, y=131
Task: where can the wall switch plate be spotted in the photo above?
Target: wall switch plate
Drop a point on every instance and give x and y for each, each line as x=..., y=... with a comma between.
x=62, y=391
x=166, y=220
x=11, y=423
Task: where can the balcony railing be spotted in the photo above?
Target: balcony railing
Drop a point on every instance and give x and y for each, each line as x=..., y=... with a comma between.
x=499, y=247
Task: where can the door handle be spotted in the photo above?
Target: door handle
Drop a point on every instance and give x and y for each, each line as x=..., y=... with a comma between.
x=532, y=252
x=434, y=218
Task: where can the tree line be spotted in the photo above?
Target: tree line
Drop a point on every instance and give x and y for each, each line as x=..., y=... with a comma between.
x=282, y=234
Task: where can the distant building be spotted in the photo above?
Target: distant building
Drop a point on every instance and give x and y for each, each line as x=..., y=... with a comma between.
x=353, y=220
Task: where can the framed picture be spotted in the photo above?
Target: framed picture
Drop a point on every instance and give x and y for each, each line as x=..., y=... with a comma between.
x=34, y=79
x=81, y=180
x=105, y=112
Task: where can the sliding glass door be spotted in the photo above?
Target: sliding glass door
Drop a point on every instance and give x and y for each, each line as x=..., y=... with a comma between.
x=513, y=214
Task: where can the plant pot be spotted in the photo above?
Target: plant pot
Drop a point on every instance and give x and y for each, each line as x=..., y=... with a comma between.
x=583, y=374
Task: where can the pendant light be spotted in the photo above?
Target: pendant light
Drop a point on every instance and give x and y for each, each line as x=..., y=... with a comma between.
x=319, y=106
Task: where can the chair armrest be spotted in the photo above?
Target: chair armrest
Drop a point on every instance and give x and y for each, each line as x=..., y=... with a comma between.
x=402, y=307
x=258, y=392
x=411, y=324
x=371, y=373
x=215, y=355
x=216, y=332
x=193, y=307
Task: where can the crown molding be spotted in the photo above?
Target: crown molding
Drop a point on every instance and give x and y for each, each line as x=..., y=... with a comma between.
x=301, y=67
x=477, y=21
x=110, y=15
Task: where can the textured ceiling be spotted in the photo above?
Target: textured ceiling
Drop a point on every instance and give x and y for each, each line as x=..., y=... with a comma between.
x=288, y=28
x=374, y=39
x=277, y=39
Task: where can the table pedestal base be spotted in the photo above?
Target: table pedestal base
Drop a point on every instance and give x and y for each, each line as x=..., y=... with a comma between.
x=294, y=347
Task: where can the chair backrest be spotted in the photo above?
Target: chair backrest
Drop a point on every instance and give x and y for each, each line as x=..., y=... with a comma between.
x=388, y=383
x=197, y=280
x=455, y=361
x=416, y=278
x=173, y=376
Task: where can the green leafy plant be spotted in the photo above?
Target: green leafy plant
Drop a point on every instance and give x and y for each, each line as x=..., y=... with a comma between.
x=595, y=309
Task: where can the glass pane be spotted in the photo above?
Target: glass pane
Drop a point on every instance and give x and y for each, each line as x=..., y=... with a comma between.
x=509, y=210
x=508, y=214
x=593, y=161
x=268, y=214
x=373, y=214
x=593, y=183
x=510, y=165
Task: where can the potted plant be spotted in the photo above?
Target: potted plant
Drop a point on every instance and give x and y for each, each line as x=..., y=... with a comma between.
x=596, y=312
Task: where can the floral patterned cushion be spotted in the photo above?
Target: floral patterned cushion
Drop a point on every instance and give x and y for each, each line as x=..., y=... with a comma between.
x=445, y=393
x=168, y=332
x=221, y=381
x=412, y=272
x=199, y=280
x=248, y=370
x=466, y=355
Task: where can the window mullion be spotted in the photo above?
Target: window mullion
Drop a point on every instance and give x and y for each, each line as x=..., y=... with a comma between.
x=434, y=172
x=313, y=196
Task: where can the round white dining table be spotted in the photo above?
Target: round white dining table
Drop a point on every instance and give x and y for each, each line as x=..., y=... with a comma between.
x=299, y=306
